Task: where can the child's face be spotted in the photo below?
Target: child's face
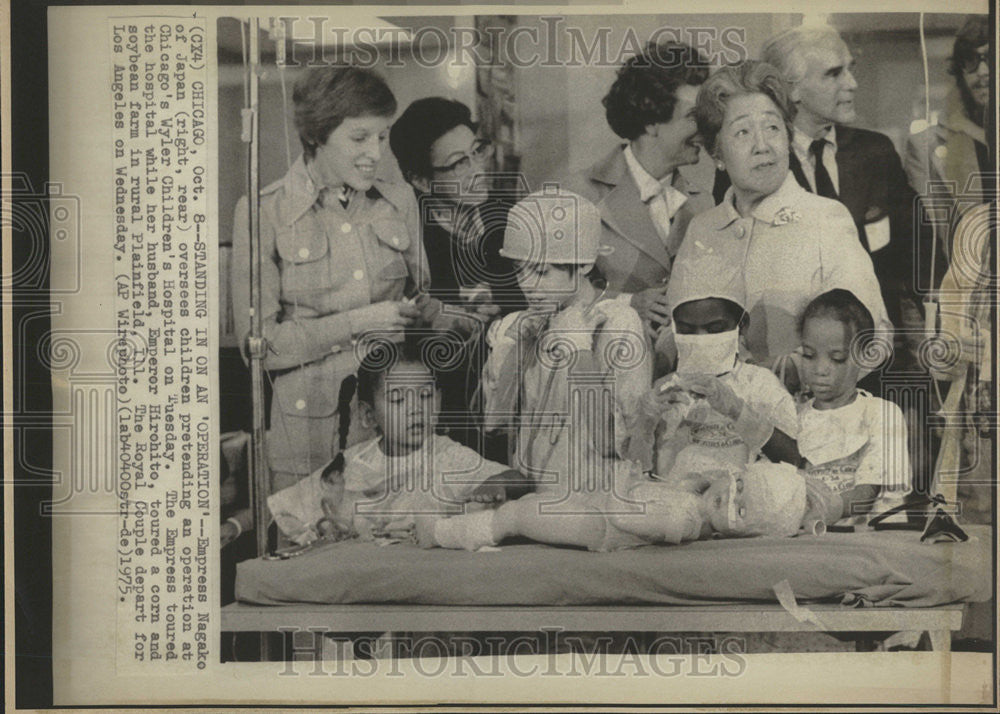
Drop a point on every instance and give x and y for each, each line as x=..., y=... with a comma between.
x=406, y=407
x=826, y=361
x=708, y=316
x=723, y=505
x=543, y=283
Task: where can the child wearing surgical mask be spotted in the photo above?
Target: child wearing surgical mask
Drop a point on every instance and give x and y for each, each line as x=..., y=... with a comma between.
x=852, y=441
x=714, y=410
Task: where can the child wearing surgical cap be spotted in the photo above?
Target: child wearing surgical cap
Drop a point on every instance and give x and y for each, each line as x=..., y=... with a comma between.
x=852, y=441
x=714, y=410
x=763, y=499
x=568, y=373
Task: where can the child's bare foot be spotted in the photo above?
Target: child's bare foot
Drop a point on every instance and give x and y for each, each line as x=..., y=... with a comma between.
x=423, y=527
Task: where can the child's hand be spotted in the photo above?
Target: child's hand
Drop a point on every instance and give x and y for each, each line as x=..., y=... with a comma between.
x=333, y=523
x=718, y=394
x=488, y=493
x=652, y=307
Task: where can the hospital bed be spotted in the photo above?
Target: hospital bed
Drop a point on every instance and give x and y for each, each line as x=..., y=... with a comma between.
x=864, y=583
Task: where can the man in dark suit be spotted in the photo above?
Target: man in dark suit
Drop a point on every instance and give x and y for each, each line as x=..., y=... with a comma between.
x=644, y=201
x=858, y=167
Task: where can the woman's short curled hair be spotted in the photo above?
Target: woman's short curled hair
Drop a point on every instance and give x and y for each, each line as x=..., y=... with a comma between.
x=844, y=307
x=645, y=90
x=325, y=96
x=745, y=78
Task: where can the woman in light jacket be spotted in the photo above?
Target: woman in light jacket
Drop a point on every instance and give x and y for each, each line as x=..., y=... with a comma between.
x=341, y=255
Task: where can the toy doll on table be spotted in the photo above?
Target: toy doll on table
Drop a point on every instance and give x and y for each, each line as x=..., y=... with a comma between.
x=703, y=428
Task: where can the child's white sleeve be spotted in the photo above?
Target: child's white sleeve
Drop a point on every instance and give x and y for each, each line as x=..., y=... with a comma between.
x=502, y=348
x=627, y=353
x=298, y=508
x=459, y=469
x=769, y=399
x=885, y=461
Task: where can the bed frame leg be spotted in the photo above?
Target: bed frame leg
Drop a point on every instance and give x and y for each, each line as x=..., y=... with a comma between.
x=865, y=643
x=940, y=640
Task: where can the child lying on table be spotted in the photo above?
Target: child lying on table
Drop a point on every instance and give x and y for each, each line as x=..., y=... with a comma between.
x=764, y=499
x=376, y=488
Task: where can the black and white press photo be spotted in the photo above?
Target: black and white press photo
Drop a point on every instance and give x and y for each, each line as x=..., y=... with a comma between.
x=503, y=355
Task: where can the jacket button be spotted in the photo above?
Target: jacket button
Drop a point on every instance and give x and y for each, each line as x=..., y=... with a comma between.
x=300, y=404
x=303, y=252
x=395, y=240
x=741, y=231
x=335, y=349
x=359, y=274
x=345, y=227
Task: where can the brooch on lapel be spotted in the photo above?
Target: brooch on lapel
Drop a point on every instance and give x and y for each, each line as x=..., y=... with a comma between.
x=785, y=216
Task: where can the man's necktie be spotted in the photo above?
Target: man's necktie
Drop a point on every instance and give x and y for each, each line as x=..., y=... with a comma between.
x=824, y=184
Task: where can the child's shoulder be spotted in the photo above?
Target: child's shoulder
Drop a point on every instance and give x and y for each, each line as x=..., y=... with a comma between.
x=619, y=312
x=498, y=329
x=756, y=375
x=361, y=449
x=878, y=409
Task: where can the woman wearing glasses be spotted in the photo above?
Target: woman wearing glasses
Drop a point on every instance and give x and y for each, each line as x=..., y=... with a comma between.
x=341, y=256
x=441, y=155
x=448, y=163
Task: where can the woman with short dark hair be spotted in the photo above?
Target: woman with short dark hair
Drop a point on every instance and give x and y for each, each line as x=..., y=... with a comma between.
x=448, y=162
x=341, y=256
x=644, y=199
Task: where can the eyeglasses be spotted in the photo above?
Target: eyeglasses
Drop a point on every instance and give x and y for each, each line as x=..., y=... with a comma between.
x=971, y=63
x=481, y=150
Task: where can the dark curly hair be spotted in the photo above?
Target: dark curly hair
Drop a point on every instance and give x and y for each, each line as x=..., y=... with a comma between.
x=325, y=96
x=419, y=126
x=644, y=91
x=382, y=355
x=844, y=307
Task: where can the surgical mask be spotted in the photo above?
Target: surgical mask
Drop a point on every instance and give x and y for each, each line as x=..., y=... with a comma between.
x=713, y=354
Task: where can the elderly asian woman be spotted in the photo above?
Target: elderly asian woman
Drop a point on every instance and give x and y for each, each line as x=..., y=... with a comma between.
x=792, y=245
x=341, y=255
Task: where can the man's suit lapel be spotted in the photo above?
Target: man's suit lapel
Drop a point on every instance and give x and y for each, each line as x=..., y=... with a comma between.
x=854, y=191
x=623, y=211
